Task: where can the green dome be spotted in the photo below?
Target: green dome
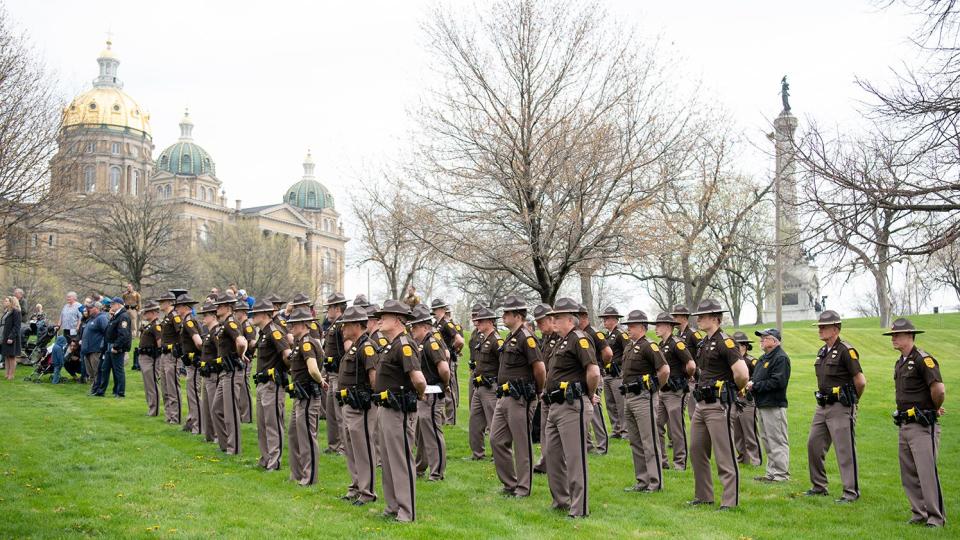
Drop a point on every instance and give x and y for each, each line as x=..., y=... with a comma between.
x=308, y=193
x=186, y=159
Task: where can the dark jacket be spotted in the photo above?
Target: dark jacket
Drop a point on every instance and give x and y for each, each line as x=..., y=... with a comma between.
x=770, y=379
x=92, y=340
x=118, y=335
x=11, y=331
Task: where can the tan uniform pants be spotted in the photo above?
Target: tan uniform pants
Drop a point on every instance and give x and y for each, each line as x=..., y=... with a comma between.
x=745, y=435
x=225, y=403
x=244, y=401
x=452, y=398
x=541, y=466
x=170, y=386
x=92, y=360
x=597, y=428
x=567, y=471
x=691, y=403
x=512, y=444
x=334, y=444
x=212, y=422
x=399, y=478
x=773, y=433
x=482, y=404
x=919, y=447
x=670, y=420
x=271, y=401
x=194, y=423
x=711, y=430
x=151, y=390
x=431, y=444
x=834, y=424
x=614, y=402
x=641, y=421
x=303, y=440
x=358, y=441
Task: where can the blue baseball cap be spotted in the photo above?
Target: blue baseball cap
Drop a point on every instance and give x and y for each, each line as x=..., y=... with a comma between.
x=117, y=300
x=772, y=332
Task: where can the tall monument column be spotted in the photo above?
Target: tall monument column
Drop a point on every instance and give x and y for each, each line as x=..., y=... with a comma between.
x=793, y=291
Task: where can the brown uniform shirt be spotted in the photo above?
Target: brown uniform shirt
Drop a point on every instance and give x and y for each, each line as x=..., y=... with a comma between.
x=519, y=355
x=208, y=350
x=677, y=353
x=692, y=340
x=398, y=359
x=642, y=358
x=150, y=334
x=303, y=349
x=270, y=347
x=431, y=354
x=619, y=341
x=599, y=341
x=912, y=377
x=548, y=342
x=315, y=332
x=360, y=358
x=131, y=300
x=715, y=357
x=170, y=329
x=836, y=366
x=570, y=360
x=333, y=344
x=487, y=354
x=449, y=331
x=250, y=334
x=188, y=329
x=379, y=339
x=227, y=338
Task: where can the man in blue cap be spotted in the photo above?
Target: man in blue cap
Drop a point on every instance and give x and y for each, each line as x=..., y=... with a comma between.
x=116, y=344
x=768, y=384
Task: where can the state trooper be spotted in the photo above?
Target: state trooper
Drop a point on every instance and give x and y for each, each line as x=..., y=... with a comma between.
x=399, y=384
x=301, y=300
x=722, y=374
x=618, y=341
x=378, y=341
x=334, y=346
x=249, y=333
x=188, y=350
x=746, y=437
x=604, y=357
x=306, y=389
x=548, y=341
x=452, y=334
x=271, y=379
x=919, y=396
x=673, y=394
x=485, y=362
x=148, y=353
x=645, y=370
x=231, y=345
x=520, y=381
x=571, y=383
x=471, y=347
x=356, y=378
x=431, y=458
x=211, y=419
x=169, y=378
x=840, y=383
x=691, y=339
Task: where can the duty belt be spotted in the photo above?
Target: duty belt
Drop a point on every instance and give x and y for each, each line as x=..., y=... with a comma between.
x=332, y=365
x=518, y=390
x=646, y=383
x=152, y=352
x=924, y=417
x=566, y=392
x=358, y=396
x=713, y=392
x=483, y=380
x=209, y=367
x=676, y=384
x=613, y=369
x=301, y=391
x=846, y=395
x=188, y=358
x=402, y=400
x=274, y=375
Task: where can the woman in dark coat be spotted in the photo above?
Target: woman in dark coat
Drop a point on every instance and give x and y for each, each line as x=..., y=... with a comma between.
x=10, y=335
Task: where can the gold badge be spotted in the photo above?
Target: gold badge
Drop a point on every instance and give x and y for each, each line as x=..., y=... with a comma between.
x=283, y=323
x=584, y=344
x=729, y=343
x=654, y=347
x=929, y=362
x=626, y=336
x=499, y=343
x=307, y=347
x=383, y=342
x=434, y=345
x=407, y=350
x=766, y=365
x=277, y=335
x=157, y=328
x=368, y=350
x=853, y=354
x=176, y=319
x=681, y=345
x=532, y=343
x=233, y=325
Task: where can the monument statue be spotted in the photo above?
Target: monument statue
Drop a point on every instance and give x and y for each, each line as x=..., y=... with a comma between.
x=785, y=93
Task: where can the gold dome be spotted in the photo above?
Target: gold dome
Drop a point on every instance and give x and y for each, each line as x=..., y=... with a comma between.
x=106, y=106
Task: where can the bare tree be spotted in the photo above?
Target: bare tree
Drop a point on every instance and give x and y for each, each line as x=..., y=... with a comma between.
x=488, y=287
x=261, y=263
x=542, y=138
x=742, y=280
x=945, y=267
x=30, y=119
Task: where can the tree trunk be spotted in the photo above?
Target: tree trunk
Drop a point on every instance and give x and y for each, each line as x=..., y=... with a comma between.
x=586, y=290
x=883, y=293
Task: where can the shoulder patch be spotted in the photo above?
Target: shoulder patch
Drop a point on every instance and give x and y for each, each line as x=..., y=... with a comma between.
x=853, y=353
x=123, y=324
x=928, y=361
x=307, y=347
x=157, y=328
x=407, y=350
x=729, y=343
x=313, y=326
x=248, y=329
x=276, y=334
x=532, y=343
x=434, y=345
x=459, y=328
x=626, y=336
x=584, y=344
x=176, y=319
x=600, y=335
x=189, y=324
x=450, y=325
x=368, y=350
x=383, y=342
x=233, y=325
x=436, y=335
x=283, y=322
x=698, y=334
x=654, y=347
x=681, y=345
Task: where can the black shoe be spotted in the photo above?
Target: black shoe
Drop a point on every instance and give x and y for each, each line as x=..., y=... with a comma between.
x=632, y=489
x=816, y=493
x=697, y=502
x=120, y=396
x=347, y=498
x=359, y=502
x=917, y=521
x=507, y=493
x=931, y=525
x=763, y=479
x=724, y=508
x=844, y=500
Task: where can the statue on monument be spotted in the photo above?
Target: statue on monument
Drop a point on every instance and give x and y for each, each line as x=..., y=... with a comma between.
x=785, y=93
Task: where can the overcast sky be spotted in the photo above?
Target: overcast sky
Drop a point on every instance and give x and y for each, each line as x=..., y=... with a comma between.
x=266, y=81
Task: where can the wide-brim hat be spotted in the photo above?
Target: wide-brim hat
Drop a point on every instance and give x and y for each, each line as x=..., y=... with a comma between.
x=274, y=299
x=335, y=299
x=741, y=337
x=208, y=307
x=150, y=306
x=709, y=306
x=301, y=315
x=680, y=309
x=582, y=310
x=828, y=318
x=394, y=307
x=241, y=305
x=485, y=314
x=372, y=310
x=611, y=311
x=438, y=303
x=474, y=309
x=565, y=305
x=420, y=314
x=637, y=317
x=178, y=292
x=666, y=318
x=514, y=303
x=354, y=314
x=300, y=299
x=262, y=306
x=184, y=300
x=225, y=300
x=167, y=297
x=903, y=326
x=540, y=311
x=361, y=301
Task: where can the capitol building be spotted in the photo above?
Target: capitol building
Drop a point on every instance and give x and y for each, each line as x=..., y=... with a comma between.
x=106, y=147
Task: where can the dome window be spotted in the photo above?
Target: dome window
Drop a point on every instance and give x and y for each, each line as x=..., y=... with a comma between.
x=164, y=160
x=185, y=163
x=116, y=108
x=93, y=106
x=292, y=197
x=311, y=199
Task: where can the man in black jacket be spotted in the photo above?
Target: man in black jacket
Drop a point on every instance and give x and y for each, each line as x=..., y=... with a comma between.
x=769, y=387
x=117, y=343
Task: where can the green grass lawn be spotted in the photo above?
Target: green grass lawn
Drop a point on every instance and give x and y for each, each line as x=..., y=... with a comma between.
x=71, y=465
